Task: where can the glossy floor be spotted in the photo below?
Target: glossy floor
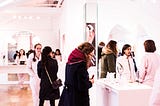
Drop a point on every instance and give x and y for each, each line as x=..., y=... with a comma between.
x=12, y=95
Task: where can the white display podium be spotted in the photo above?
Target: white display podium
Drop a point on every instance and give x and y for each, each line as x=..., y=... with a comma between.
x=111, y=93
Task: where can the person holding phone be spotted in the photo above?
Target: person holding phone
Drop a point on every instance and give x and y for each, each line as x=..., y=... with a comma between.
x=77, y=81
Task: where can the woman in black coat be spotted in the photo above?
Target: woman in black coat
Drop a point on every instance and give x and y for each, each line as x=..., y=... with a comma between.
x=46, y=90
x=77, y=82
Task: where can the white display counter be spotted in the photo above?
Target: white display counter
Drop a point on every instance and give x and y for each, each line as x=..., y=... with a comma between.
x=112, y=93
x=11, y=69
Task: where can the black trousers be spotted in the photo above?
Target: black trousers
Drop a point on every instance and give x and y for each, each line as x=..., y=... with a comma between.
x=52, y=102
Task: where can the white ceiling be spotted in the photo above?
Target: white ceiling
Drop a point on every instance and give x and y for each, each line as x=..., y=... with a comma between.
x=26, y=9
x=30, y=6
x=41, y=3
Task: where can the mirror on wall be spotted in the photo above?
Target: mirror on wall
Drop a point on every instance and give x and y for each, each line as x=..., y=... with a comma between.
x=12, y=48
x=20, y=40
x=90, y=24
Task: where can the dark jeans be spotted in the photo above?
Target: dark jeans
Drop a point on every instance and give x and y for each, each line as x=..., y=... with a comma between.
x=52, y=102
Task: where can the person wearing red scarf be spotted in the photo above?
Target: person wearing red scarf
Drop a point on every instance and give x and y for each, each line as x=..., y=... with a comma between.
x=77, y=81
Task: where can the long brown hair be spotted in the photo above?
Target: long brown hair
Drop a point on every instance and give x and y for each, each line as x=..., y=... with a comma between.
x=86, y=48
x=113, y=46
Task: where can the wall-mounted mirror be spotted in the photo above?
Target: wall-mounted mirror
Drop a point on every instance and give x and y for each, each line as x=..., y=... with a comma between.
x=20, y=40
x=12, y=49
x=90, y=24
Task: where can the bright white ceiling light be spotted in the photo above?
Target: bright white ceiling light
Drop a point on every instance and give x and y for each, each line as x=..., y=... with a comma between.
x=5, y=2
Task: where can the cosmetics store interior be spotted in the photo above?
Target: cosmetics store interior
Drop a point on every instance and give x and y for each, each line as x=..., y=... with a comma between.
x=64, y=25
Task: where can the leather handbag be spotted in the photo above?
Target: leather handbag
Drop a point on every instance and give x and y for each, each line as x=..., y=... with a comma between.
x=55, y=84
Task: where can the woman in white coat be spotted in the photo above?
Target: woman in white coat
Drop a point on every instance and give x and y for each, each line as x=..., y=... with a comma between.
x=125, y=65
x=32, y=62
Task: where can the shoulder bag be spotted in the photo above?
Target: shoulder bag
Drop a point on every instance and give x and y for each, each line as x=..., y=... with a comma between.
x=55, y=84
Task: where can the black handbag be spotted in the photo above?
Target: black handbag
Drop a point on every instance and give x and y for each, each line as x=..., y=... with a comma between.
x=55, y=84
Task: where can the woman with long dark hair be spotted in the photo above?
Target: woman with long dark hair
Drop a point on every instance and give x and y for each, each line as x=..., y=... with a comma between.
x=125, y=64
x=50, y=65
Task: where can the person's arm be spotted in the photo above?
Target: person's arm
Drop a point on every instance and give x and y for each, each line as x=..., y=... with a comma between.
x=39, y=69
x=54, y=69
x=29, y=65
x=17, y=60
x=25, y=59
x=83, y=78
x=119, y=67
x=111, y=62
x=143, y=69
x=104, y=66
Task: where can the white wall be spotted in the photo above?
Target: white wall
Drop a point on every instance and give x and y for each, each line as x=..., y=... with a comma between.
x=129, y=21
x=45, y=28
x=51, y=28
x=137, y=17
x=72, y=25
